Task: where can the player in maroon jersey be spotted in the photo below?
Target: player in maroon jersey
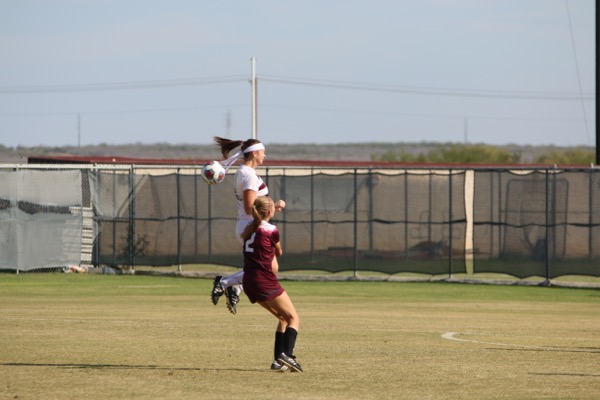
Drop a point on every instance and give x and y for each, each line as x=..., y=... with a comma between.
x=261, y=246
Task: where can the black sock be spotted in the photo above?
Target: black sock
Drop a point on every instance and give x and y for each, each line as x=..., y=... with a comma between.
x=279, y=348
x=289, y=340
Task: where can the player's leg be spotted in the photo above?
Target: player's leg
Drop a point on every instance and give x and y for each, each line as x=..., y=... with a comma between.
x=284, y=309
x=222, y=284
x=217, y=291
x=230, y=285
x=235, y=279
x=279, y=345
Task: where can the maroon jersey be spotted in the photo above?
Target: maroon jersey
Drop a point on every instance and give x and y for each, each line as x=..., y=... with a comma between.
x=260, y=283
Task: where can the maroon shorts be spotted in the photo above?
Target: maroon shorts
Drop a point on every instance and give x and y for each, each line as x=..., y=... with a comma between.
x=260, y=286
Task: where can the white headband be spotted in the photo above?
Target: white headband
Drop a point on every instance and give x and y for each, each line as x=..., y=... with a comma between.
x=255, y=147
x=231, y=160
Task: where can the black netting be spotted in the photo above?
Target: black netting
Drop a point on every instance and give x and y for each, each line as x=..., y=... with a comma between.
x=541, y=223
x=372, y=221
x=163, y=220
x=521, y=223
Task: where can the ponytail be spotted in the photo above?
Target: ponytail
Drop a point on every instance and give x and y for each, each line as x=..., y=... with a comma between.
x=227, y=145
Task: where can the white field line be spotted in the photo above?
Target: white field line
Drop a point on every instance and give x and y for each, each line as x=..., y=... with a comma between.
x=453, y=336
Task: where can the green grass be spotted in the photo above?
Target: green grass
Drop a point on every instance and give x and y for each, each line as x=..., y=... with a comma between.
x=71, y=336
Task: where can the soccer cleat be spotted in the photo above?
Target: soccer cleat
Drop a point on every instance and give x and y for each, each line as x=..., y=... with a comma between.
x=290, y=361
x=217, y=290
x=232, y=299
x=277, y=366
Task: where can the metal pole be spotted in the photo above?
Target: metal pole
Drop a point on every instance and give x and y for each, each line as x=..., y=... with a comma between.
x=406, y=219
x=590, y=214
x=209, y=203
x=195, y=213
x=370, y=217
x=355, y=267
x=282, y=195
x=450, y=244
x=254, y=122
x=114, y=216
x=132, y=218
x=178, y=186
x=597, y=147
x=430, y=205
x=78, y=130
x=547, y=256
x=312, y=214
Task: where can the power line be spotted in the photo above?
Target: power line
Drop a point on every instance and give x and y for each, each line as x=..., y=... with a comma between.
x=98, y=87
x=300, y=108
x=391, y=88
x=128, y=111
x=578, y=76
x=423, y=115
x=428, y=90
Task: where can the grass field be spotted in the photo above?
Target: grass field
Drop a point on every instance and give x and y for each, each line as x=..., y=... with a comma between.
x=70, y=336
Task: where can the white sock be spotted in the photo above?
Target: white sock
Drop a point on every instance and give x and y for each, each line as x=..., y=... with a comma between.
x=232, y=280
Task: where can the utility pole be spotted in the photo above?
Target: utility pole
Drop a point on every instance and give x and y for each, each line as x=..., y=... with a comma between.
x=228, y=123
x=78, y=130
x=466, y=130
x=597, y=147
x=254, y=88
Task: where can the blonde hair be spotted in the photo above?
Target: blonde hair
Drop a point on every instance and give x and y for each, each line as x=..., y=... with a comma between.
x=260, y=212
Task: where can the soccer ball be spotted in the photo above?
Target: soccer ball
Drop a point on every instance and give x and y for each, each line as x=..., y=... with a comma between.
x=213, y=173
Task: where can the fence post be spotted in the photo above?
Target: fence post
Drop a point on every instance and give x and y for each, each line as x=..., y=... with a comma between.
x=370, y=209
x=195, y=212
x=114, y=217
x=429, y=207
x=547, y=226
x=209, y=202
x=178, y=198
x=282, y=191
x=406, y=219
x=312, y=214
x=96, y=239
x=132, y=218
x=590, y=214
x=17, y=203
x=355, y=223
x=503, y=224
x=450, y=224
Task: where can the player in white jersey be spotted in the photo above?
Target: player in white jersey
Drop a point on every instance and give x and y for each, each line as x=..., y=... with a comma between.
x=248, y=186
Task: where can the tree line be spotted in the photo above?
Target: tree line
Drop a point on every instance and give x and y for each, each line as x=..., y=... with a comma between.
x=482, y=154
x=423, y=152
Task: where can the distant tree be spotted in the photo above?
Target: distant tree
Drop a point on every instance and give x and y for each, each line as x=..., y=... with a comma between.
x=567, y=157
x=402, y=156
x=453, y=153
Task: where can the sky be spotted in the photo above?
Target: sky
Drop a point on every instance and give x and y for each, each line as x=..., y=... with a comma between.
x=89, y=72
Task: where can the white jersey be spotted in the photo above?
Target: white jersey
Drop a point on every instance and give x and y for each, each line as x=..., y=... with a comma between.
x=247, y=179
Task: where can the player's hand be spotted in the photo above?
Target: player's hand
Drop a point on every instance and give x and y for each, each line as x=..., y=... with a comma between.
x=279, y=205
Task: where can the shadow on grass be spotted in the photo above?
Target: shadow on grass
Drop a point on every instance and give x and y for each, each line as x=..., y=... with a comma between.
x=562, y=374
x=127, y=366
x=552, y=349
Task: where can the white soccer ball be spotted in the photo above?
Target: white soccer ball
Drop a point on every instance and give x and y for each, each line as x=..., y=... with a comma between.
x=213, y=173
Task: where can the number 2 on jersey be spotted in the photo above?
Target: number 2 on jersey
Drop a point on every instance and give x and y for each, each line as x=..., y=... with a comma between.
x=248, y=244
